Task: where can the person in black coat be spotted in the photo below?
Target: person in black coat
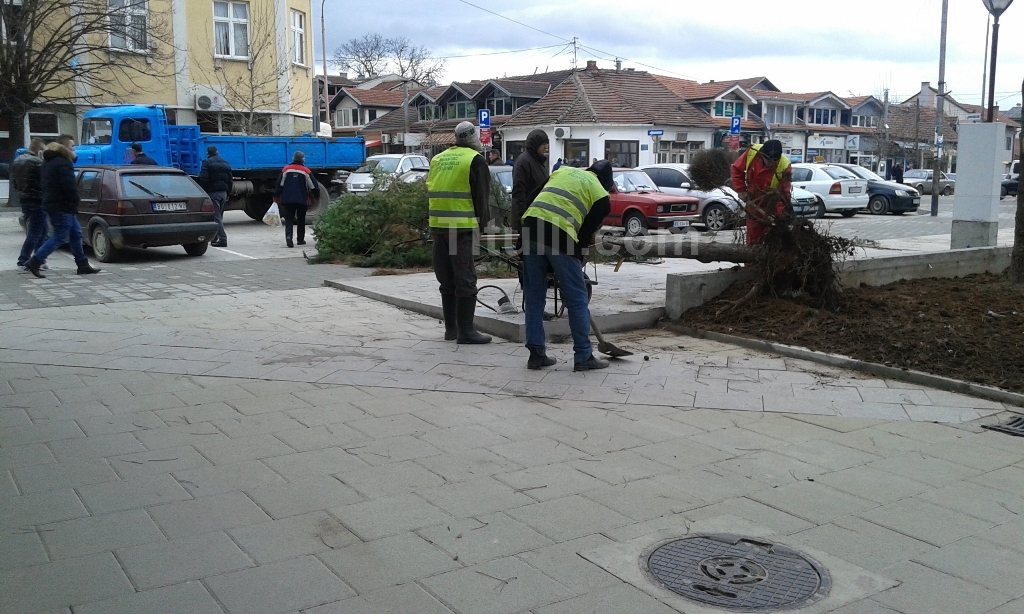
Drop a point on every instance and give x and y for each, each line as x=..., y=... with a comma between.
x=60, y=200
x=140, y=157
x=26, y=179
x=215, y=177
x=293, y=193
x=529, y=175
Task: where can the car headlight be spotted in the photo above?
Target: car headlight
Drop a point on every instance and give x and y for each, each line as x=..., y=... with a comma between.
x=903, y=193
x=662, y=208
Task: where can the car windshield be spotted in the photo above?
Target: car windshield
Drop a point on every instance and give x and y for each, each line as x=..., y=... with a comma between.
x=159, y=185
x=838, y=173
x=634, y=181
x=505, y=177
x=96, y=131
x=863, y=173
x=384, y=165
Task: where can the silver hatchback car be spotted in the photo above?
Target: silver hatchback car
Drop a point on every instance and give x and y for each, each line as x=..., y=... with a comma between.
x=719, y=209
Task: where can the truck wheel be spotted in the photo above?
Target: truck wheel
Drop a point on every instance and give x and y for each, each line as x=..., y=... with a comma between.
x=101, y=246
x=256, y=205
x=196, y=249
x=320, y=205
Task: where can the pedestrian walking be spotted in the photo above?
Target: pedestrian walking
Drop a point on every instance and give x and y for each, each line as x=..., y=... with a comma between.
x=458, y=189
x=494, y=158
x=140, y=157
x=60, y=200
x=897, y=173
x=25, y=176
x=215, y=177
x=557, y=229
x=763, y=177
x=293, y=194
x=529, y=174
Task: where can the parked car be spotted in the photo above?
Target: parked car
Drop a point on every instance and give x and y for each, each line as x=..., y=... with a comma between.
x=1009, y=187
x=638, y=205
x=921, y=180
x=719, y=208
x=501, y=190
x=885, y=196
x=838, y=190
x=360, y=181
x=804, y=203
x=142, y=206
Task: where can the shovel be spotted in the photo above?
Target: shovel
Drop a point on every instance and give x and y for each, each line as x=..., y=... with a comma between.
x=605, y=347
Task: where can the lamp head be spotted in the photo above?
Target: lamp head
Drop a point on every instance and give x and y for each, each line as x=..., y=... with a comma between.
x=996, y=7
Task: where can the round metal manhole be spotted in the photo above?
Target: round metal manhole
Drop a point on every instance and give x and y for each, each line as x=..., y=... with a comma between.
x=737, y=573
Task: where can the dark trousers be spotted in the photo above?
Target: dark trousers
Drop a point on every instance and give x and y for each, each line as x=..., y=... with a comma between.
x=219, y=200
x=35, y=231
x=454, y=265
x=294, y=215
x=66, y=231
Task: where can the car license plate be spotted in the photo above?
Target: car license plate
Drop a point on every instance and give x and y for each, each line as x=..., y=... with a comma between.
x=854, y=190
x=917, y=201
x=170, y=206
x=680, y=224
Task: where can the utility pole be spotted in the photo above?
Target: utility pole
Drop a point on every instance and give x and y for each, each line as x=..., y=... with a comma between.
x=940, y=104
x=984, y=65
x=323, y=52
x=917, y=132
x=405, y=113
x=574, y=41
x=886, y=147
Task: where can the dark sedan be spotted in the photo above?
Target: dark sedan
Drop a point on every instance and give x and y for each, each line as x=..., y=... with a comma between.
x=1009, y=187
x=885, y=196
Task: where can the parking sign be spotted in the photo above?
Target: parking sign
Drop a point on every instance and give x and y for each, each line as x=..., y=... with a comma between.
x=734, y=129
x=485, y=118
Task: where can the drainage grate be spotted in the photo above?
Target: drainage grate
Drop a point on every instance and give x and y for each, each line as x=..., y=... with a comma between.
x=735, y=573
x=1013, y=427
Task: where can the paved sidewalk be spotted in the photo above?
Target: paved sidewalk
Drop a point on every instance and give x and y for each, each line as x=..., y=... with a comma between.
x=315, y=451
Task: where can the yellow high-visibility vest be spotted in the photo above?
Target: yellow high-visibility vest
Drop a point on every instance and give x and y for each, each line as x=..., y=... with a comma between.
x=566, y=199
x=782, y=165
x=448, y=193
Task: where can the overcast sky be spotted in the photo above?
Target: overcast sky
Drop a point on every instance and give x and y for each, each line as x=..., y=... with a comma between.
x=858, y=47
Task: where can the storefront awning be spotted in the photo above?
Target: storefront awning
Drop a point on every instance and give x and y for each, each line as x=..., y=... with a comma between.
x=373, y=143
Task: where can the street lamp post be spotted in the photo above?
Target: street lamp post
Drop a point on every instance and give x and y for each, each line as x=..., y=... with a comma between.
x=996, y=8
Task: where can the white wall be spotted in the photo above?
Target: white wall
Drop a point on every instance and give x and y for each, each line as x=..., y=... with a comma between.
x=598, y=135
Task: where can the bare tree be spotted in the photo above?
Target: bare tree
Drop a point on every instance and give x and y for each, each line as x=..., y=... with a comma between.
x=75, y=52
x=373, y=55
x=364, y=56
x=253, y=89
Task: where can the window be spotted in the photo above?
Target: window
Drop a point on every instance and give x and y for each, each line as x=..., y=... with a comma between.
x=463, y=109
x=298, y=37
x=776, y=114
x=622, y=153
x=500, y=106
x=89, y=185
x=864, y=121
x=44, y=126
x=577, y=151
x=428, y=112
x=824, y=117
x=10, y=19
x=134, y=131
x=215, y=123
x=728, y=108
x=129, y=25
x=231, y=29
x=96, y=131
x=801, y=174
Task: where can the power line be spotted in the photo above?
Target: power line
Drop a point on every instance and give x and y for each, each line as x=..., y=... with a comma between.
x=487, y=10
x=473, y=55
x=616, y=57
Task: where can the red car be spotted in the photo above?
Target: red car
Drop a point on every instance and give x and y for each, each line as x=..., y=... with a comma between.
x=638, y=205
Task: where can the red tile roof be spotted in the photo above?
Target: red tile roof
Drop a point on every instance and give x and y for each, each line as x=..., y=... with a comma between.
x=375, y=98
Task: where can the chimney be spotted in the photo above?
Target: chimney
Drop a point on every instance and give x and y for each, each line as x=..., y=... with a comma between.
x=630, y=69
x=591, y=64
x=927, y=95
x=618, y=66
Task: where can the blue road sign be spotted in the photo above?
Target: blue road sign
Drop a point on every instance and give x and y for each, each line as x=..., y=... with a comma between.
x=655, y=132
x=735, y=127
x=485, y=118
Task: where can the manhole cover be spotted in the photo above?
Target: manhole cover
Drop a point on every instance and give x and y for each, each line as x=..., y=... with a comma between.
x=735, y=573
x=1013, y=427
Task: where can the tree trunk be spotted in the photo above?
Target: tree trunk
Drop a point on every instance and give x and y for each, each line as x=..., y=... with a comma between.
x=15, y=129
x=677, y=247
x=1017, y=256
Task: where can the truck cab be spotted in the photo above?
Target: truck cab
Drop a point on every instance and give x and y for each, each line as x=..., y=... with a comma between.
x=108, y=133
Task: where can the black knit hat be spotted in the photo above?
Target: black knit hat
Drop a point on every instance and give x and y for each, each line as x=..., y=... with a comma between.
x=603, y=170
x=772, y=149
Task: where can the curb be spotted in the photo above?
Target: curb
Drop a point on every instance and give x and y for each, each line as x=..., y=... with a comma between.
x=939, y=382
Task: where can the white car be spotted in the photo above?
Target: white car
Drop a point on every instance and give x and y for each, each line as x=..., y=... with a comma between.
x=719, y=209
x=360, y=181
x=839, y=190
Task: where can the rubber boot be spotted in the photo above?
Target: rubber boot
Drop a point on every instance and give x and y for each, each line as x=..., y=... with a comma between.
x=84, y=268
x=466, y=311
x=538, y=359
x=590, y=364
x=451, y=326
x=33, y=267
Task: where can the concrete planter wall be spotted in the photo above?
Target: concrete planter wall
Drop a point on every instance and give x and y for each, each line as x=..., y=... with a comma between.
x=685, y=291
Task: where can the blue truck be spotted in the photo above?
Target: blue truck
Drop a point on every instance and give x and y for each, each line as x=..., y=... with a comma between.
x=256, y=161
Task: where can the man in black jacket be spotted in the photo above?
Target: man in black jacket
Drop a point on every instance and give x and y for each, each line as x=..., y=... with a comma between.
x=529, y=175
x=140, y=157
x=25, y=177
x=60, y=199
x=293, y=193
x=215, y=178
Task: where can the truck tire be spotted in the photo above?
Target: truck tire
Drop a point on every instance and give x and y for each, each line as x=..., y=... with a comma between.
x=256, y=205
x=320, y=205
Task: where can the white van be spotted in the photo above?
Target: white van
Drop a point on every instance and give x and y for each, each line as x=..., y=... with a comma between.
x=360, y=181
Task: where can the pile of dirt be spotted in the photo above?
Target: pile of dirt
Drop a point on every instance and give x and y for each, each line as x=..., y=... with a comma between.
x=969, y=328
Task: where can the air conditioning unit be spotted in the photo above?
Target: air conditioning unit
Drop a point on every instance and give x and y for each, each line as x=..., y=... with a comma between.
x=385, y=138
x=208, y=99
x=563, y=132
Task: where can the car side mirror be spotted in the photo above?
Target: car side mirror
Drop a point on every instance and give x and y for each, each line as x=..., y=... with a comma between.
x=685, y=185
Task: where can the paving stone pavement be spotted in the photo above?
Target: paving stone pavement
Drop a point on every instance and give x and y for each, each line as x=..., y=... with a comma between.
x=313, y=451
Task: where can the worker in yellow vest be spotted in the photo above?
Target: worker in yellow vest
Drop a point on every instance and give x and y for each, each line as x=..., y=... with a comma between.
x=763, y=177
x=458, y=188
x=558, y=227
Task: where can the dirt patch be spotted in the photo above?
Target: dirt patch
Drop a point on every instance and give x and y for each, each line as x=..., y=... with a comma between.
x=969, y=328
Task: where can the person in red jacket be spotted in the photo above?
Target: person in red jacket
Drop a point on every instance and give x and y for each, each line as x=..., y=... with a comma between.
x=293, y=193
x=763, y=177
